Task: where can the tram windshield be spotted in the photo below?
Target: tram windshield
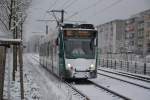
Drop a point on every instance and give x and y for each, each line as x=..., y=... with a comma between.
x=79, y=48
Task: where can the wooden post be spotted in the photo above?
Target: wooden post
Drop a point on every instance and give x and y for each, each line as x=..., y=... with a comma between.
x=2, y=70
x=21, y=71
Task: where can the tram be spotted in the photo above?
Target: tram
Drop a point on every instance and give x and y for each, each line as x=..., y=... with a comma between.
x=71, y=52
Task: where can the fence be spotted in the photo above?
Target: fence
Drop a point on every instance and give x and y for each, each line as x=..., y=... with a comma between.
x=129, y=66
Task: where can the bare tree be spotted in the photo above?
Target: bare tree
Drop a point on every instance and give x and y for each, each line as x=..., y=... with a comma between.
x=12, y=13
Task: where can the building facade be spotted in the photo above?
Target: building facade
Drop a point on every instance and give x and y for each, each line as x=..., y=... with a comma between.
x=111, y=36
x=147, y=34
x=131, y=35
x=137, y=33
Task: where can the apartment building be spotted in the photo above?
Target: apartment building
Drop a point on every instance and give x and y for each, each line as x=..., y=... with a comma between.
x=111, y=36
x=146, y=34
x=137, y=33
x=131, y=35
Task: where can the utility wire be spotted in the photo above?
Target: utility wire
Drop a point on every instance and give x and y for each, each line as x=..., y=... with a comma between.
x=86, y=8
x=108, y=7
x=103, y=10
x=64, y=4
x=71, y=3
x=53, y=4
x=91, y=6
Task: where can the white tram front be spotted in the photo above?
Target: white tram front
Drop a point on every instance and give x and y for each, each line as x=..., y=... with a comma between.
x=80, y=51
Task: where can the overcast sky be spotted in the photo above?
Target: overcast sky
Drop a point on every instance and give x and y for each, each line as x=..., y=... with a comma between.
x=90, y=11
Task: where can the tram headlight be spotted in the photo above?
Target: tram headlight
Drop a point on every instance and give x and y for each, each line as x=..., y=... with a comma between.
x=92, y=67
x=68, y=65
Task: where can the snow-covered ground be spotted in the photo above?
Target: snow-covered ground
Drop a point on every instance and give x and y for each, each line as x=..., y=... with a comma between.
x=12, y=88
x=39, y=84
x=50, y=87
x=126, y=89
x=95, y=93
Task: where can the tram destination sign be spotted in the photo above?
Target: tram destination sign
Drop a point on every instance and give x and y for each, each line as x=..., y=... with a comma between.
x=79, y=33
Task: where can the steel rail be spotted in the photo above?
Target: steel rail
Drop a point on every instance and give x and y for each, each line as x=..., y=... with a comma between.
x=142, y=77
x=111, y=91
x=145, y=87
x=127, y=75
x=73, y=88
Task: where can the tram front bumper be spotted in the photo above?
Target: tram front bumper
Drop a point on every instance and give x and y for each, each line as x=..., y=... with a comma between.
x=84, y=74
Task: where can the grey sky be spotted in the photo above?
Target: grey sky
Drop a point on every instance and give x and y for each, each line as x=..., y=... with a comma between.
x=91, y=11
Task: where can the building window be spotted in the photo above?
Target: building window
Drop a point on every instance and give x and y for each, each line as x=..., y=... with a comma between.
x=148, y=44
x=148, y=34
x=148, y=25
x=132, y=43
x=101, y=29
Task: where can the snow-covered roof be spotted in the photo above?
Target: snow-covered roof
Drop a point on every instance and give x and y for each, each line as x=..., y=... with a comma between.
x=10, y=41
x=5, y=34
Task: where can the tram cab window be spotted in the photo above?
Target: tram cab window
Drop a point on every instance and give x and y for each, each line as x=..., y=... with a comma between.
x=78, y=48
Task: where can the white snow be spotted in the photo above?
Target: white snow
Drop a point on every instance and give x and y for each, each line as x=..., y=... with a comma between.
x=128, y=90
x=127, y=79
x=49, y=86
x=9, y=40
x=95, y=93
x=11, y=88
x=39, y=84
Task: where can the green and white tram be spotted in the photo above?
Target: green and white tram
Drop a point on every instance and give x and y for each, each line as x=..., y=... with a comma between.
x=72, y=53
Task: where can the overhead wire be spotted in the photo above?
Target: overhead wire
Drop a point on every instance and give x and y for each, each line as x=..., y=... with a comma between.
x=109, y=6
x=71, y=3
x=91, y=6
x=85, y=9
x=64, y=4
x=104, y=9
x=53, y=4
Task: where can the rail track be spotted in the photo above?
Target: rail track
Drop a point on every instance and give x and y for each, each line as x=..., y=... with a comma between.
x=105, y=91
x=110, y=75
x=135, y=75
x=74, y=91
x=97, y=87
x=129, y=75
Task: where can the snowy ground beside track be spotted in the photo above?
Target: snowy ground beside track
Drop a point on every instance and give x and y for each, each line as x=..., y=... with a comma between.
x=40, y=86
x=37, y=84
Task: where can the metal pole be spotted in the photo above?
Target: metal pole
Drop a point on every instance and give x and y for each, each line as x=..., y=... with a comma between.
x=62, y=16
x=144, y=68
